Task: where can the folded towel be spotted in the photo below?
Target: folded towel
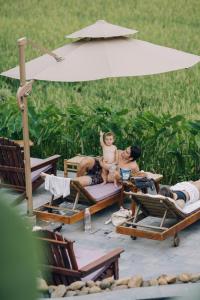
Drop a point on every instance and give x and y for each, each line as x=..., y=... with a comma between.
x=189, y=188
x=58, y=186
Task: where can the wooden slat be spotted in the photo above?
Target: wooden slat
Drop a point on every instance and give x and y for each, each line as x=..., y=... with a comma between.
x=60, y=208
x=140, y=233
x=182, y=224
x=145, y=226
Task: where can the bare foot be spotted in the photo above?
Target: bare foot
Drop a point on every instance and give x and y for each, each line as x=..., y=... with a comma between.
x=103, y=183
x=43, y=175
x=115, y=184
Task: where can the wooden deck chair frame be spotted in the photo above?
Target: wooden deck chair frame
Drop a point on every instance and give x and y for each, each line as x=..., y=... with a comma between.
x=162, y=208
x=61, y=265
x=78, y=194
x=12, y=169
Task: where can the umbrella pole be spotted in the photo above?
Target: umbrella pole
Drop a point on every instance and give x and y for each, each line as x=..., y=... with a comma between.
x=24, y=110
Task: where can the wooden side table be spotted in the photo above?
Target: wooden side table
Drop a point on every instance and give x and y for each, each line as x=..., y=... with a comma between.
x=72, y=164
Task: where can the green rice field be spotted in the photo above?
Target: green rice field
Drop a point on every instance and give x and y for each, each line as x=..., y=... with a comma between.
x=160, y=112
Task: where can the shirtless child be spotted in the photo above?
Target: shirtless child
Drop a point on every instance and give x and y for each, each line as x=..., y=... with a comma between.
x=110, y=157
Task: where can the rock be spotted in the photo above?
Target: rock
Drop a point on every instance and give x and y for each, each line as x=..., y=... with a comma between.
x=52, y=288
x=85, y=289
x=77, y=285
x=97, y=283
x=120, y=287
x=195, y=277
x=110, y=279
x=185, y=277
x=135, y=281
x=90, y=283
x=81, y=292
x=153, y=282
x=71, y=293
x=112, y=286
x=59, y=291
x=162, y=280
x=106, y=283
x=171, y=279
x=146, y=283
x=42, y=285
x=122, y=281
x=94, y=289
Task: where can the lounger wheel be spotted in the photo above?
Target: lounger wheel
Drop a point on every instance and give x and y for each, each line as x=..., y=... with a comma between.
x=176, y=241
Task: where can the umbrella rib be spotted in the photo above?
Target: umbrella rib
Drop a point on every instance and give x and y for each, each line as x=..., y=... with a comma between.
x=45, y=50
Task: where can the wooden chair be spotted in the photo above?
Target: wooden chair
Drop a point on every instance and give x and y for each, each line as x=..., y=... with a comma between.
x=64, y=265
x=96, y=197
x=160, y=207
x=12, y=169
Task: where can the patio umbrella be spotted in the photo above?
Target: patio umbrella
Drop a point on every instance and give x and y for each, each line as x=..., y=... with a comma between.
x=104, y=50
x=98, y=55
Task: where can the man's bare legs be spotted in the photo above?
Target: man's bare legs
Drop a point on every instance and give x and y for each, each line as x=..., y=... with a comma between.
x=83, y=180
x=86, y=164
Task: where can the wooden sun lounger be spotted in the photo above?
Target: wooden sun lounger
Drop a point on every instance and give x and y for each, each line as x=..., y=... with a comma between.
x=12, y=168
x=160, y=207
x=64, y=264
x=76, y=202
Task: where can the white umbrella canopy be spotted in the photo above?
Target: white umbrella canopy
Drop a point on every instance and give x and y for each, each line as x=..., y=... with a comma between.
x=98, y=58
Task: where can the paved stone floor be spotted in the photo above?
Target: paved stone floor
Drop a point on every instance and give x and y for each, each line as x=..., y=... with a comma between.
x=148, y=258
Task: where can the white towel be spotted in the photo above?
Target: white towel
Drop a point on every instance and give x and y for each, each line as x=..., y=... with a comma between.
x=58, y=186
x=189, y=188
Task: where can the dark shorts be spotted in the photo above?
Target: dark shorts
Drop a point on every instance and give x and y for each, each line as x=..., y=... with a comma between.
x=180, y=195
x=95, y=173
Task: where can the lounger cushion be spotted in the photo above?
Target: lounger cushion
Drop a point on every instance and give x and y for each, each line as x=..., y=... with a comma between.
x=188, y=208
x=85, y=256
x=100, y=192
x=36, y=174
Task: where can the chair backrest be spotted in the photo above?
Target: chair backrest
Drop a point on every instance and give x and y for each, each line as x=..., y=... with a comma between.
x=60, y=260
x=156, y=206
x=12, y=164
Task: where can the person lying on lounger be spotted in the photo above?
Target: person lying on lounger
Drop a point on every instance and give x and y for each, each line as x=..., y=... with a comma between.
x=93, y=167
x=182, y=192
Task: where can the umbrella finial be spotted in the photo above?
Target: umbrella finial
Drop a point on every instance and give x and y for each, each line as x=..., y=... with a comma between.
x=101, y=21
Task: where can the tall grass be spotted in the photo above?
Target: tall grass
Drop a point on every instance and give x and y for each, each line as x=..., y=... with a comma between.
x=66, y=117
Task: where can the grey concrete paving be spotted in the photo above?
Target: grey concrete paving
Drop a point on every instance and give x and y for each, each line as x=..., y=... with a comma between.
x=148, y=258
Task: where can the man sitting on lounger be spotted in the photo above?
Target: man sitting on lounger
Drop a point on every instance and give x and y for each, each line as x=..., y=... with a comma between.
x=93, y=167
x=182, y=192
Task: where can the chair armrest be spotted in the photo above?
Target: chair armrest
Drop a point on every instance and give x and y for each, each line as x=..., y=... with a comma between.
x=100, y=262
x=61, y=271
x=45, y=162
